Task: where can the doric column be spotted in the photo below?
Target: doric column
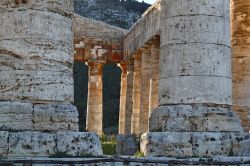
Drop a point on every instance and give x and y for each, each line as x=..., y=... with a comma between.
x=136, y=95
x=194, y=117
x=240, y=15
x=145, y=88
x=122, y=114
x=154, y=76
x=94, y=108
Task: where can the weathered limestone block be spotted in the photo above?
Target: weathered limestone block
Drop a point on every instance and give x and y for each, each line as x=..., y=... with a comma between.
x=197, y=89
x=191, y=58
x=4, y=144
x=196, y=7
x=36, y=25
x=55, y=117
x=79, y=144
x=36, y=85
x=31, y=144
x=63, y=7
x=126, y=145
x=190, y=144
x=34, y=54
x=166, y=144
x=187, y=118
x=16, y=116
x=241, y=144
x=186, y=26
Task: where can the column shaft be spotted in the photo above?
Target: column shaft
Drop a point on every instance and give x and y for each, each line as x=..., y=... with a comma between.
x=145, y=88
x=154, y=79
x=95, y=102
x=122, y=114
x=136, y=97
x=240, y=15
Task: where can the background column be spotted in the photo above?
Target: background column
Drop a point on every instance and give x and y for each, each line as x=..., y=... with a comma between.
x=94, y=108
x=154, y=76
x=136, y=95
x=122, y=113
x=240, y=15
x=145, y=88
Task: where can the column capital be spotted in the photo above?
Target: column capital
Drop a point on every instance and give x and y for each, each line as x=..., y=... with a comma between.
x=95, y=68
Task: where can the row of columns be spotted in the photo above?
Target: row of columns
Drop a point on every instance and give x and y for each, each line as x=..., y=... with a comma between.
x=142, y=89
x=138, y=95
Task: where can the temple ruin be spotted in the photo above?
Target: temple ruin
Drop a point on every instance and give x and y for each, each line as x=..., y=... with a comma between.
x=184, y=83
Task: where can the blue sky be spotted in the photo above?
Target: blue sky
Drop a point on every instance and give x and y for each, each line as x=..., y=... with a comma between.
x=148, y=1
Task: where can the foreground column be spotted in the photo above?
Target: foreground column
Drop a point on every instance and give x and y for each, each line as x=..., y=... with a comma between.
x=94, y=108
x=240, y=15
x=37, y=118
x=136, y=96
x=122, y=113
x=194, y=117
x=145, y=88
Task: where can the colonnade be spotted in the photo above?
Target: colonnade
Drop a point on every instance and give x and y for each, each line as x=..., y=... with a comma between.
x=138, y=95
x=142, y=89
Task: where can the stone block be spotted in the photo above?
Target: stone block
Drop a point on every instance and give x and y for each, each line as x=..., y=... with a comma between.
x=197, y=89
x=126, y=145
x=79, y=144
x=36, y=86
x=241, y=144
x=4, y=144
x=191, y=118
x=195, y=59
x=16, y=116
x=36, y=25
x=210, y=144
x=31, y=144
x=195, y=144
x=63, y=7
x=36, y=54
x=166, y=144
x=174, y=8
x=193, y=29
x=55, y=117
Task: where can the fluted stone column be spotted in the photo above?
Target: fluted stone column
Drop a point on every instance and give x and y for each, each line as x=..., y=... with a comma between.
x=37, y=117
x=95, y=102
x=122, y=113
x=195, y=94
x=36, y=66
x=136, y=96
x=240, y=23
x=145, y=88
x=154, y=76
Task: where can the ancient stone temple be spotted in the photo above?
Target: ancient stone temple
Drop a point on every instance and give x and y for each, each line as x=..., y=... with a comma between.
x=182, y=88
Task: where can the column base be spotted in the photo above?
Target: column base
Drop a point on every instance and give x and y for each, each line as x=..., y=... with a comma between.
x=59, y=144
x=194, y=118
x=126, y=144
x=195, y=144
x=195, y=130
